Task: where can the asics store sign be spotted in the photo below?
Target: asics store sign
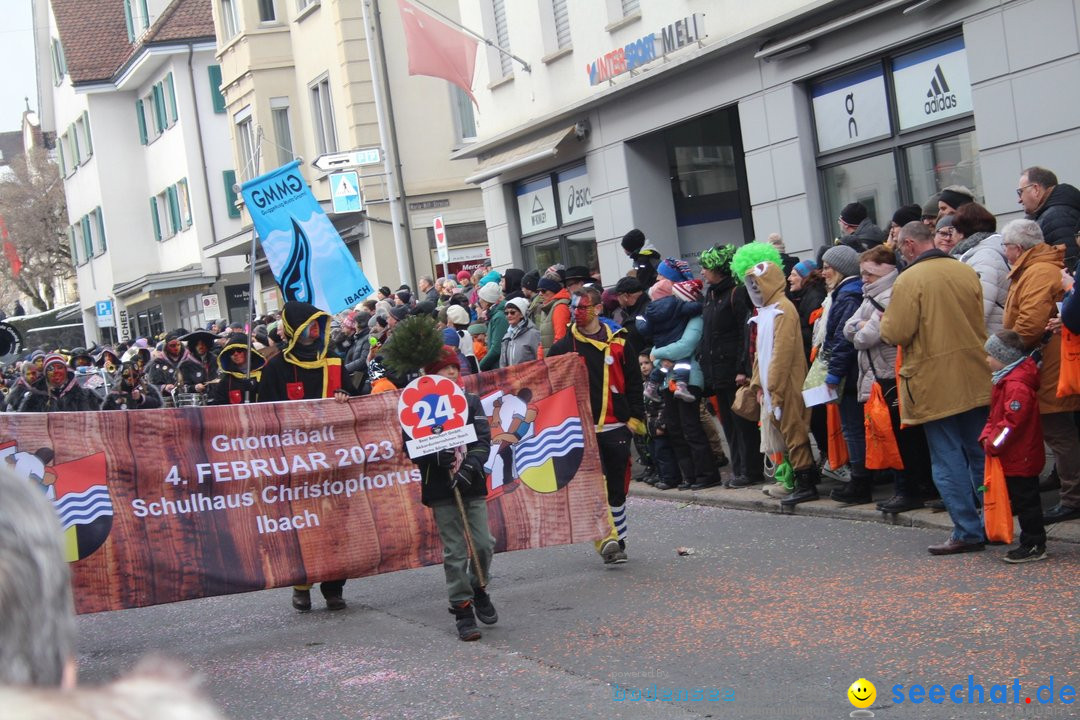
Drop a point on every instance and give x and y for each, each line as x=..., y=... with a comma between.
x=932, y=84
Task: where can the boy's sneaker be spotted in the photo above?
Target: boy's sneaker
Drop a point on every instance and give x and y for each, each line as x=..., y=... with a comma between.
x=1025, y=553
x=485, y=609
x=683, y=393
x=465, y=621
x=610, y=552
x=652, y=391
x=840, y=474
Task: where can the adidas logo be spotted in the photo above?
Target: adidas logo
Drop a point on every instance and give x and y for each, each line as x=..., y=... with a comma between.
x=940, y=96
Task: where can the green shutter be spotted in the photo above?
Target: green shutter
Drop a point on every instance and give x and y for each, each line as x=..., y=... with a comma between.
x=230, y=195
x=170, y=94
x=89, y=140
x=60, y=153
x=71, y=244
x=145, y=14
x=174, y=207
x=87, y=237
x=103, y=246
x=159, y=109
x=216, y=97
x=73, y=137
x=141, y=116
x=155, y=218
x=129, y=23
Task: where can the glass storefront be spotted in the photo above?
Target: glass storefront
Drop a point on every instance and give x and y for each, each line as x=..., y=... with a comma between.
x=555, y=212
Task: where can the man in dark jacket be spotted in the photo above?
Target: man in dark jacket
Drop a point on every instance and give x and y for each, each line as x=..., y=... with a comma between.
x=60, y=393
x=1056, y=207
x=164, y=366
x=859, y=231
x=643, y=255
x=303, y=371
x=632, y=303
x=618, y=405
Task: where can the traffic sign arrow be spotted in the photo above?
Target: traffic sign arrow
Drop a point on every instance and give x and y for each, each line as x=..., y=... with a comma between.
x=348, y=159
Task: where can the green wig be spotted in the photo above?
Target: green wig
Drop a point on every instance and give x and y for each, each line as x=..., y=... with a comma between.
x=750, y=255
x=718, y=258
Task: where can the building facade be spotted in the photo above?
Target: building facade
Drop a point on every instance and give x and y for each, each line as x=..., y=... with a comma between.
x=143, y=149
x=710, y=121
x=299, y=81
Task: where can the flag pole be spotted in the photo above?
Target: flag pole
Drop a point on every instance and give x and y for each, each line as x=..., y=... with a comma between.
x=524, y=65
x=251, y=280
x=401, y=242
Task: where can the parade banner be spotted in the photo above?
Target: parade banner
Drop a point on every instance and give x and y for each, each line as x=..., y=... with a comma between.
x=159, y=506
x=310, y=262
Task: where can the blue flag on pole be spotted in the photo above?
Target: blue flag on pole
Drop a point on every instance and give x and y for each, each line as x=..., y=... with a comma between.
x=309, y=260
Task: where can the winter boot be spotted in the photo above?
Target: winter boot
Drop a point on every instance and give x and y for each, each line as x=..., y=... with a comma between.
x=485, y=609
x=858, y=490
x=805, y=487
x=301, y=600
x=682, y=392
x=652, y=391
x=466, y=621
x=334, y=600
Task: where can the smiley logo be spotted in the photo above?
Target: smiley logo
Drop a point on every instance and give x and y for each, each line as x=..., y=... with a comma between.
x=862, y=693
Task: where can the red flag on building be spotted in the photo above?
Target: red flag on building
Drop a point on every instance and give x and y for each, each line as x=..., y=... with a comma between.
x=10, y=251
x=436, y=49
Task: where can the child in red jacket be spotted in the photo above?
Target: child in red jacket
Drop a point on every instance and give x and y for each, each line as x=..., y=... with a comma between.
x=1013, y=433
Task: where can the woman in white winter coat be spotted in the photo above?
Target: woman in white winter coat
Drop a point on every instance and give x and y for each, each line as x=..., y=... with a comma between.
x=979, y=246
x=521, y=342
x=877, y=362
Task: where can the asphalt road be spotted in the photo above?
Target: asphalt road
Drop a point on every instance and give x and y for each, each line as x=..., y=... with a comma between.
x=778, y=613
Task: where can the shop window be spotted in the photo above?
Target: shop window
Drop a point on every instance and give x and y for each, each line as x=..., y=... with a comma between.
x=871, y=181
x=944, y=162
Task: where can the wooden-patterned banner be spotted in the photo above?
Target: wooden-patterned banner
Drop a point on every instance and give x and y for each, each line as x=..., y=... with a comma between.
x=165, y=505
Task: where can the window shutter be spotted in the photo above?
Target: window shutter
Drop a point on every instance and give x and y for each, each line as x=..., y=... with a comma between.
x=562, y=23
x=128, y=21
x=87, y=238
x=61, y=144
x=102, y=245
x=73, y=138
x=141, y=116
x=174, y=208
x=230, y=197
x=502, y=36
x=170, y=94
x=156, y=218
x=185, y=202
x=89, y=140
x=72, y=246
x=216, y=97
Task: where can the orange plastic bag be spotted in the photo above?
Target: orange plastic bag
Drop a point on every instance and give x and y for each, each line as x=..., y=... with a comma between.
x=1069, y=375
x=882, y=452
x=997, y=510
x=838, y=454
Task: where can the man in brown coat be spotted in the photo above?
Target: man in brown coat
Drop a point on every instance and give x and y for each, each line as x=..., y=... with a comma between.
x=1032, y=301
x=935, y=316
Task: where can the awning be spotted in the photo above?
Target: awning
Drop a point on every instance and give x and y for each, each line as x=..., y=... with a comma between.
x=542, y=148
x=164, y=283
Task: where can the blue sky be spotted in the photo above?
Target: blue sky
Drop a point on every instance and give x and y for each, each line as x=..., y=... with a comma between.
x=17, y=60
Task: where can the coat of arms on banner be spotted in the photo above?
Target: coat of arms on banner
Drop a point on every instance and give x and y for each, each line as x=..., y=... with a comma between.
x=539, y=444
x=78, y=491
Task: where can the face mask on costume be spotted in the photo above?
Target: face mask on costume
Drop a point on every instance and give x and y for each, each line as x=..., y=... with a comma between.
x=754, y=290
x=56, y=374
x=173, y=347
x=310, y=334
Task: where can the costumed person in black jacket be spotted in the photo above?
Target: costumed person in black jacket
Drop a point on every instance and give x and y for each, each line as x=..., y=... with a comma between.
x=618, y=405
x=163, y=368
x=302, y=371
x=234, y=386
x=643, y=255
x=450, y=474
x=31, y=377
x=131, y=391
x=198, y=366
x=61, y=392
x=725, y=360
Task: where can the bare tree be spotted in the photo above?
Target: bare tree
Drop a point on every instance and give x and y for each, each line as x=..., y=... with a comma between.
x=33, y=208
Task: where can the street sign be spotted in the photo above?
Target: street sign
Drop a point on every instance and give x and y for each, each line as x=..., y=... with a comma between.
x=345, y=191
x=440, y=240
x=433, y=412
x=105, y=313
x=347, y=159
x=211, y=307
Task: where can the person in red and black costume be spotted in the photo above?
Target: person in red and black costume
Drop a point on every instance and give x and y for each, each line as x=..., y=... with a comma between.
x=234, y=386
x=302, y=371
x=618, y=404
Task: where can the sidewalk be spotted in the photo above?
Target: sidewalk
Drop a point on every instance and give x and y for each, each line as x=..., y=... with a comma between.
x=752, y=498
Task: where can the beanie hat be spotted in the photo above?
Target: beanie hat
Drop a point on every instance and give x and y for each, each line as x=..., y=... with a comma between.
x=478, y=329
x=662, y=288
x=906, y=214
x=490, y=291
x=404, y=296
x=1005, y=346
x=675, y=270
x=633, y=241
x=930, y=208
x=463, y=275
x=521, y=304
x=956, y=195
x=549, y=284
x=853, y=213
x=687, y=290
x=447, y=357
x=530, y=280
x=400, y=312
x=52, y=359
x=457, y=315
x=944, y=222
x=843, y=259
x=628, y=285
x=805, y=267
x=777, y=242
x=385, y=290
x=492, y=276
